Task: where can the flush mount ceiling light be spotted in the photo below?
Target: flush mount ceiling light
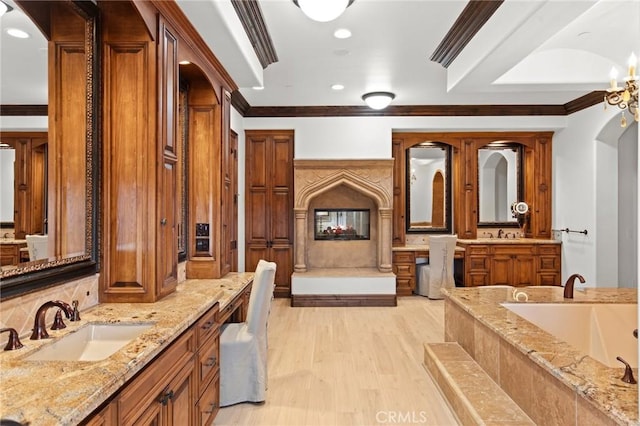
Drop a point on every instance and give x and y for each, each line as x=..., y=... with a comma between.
x=14, y=32
x=378, y=100
x=323, y=10
x=4, y=8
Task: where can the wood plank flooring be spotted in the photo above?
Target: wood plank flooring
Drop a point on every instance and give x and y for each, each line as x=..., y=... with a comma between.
x=349, y=366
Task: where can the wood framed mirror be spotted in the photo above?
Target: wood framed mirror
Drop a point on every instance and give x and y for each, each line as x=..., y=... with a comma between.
x=428, y=188
x=70, y=166
x=500, y=183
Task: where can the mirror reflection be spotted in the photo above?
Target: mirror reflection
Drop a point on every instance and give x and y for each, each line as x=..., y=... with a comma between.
x=428, y=195
x=499, y=182
x=47, y=216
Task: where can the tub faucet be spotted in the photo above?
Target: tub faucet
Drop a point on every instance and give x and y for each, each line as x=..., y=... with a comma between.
x=568, y=286
x=39, y=327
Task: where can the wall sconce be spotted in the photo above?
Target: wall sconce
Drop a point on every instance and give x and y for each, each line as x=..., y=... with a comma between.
x=378, y=100
x=323, y=10
x=4, y=8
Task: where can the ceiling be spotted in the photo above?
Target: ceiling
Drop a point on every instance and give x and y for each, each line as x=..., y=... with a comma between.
x=528, y=52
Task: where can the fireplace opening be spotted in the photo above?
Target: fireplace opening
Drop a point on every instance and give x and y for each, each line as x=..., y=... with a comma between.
x=341, y=224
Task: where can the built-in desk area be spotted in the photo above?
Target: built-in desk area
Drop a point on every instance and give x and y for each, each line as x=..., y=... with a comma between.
x=404, y=266
x=487, y=261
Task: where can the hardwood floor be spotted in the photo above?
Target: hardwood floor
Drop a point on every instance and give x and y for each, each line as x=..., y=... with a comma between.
x=349, y=366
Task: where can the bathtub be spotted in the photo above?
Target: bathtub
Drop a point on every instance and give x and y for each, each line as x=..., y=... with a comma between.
x=602, y=331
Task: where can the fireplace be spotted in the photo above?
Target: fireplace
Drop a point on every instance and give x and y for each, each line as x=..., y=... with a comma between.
x=341, y=264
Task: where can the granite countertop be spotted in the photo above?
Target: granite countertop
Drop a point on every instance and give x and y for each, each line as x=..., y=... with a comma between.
x=593, y=380
x=11, y=241
x=65, y=392
x=419, y=247
x=508, y=241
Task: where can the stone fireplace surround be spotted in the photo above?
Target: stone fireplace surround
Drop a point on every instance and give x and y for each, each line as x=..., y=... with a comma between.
x=346, y=273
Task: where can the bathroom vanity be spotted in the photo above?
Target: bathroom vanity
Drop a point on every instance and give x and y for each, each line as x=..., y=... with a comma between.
x=169, y=373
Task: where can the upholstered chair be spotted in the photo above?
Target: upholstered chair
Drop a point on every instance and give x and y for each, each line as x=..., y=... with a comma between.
x=439, y=272
x=38, y=246
x=243, y=346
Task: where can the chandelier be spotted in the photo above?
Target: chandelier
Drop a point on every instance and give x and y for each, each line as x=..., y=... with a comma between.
x=624, y=97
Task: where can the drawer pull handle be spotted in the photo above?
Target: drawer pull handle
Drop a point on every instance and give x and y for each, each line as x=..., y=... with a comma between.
x=166, y=397
x=213, y=405
x=207, y=325
x=211, y=361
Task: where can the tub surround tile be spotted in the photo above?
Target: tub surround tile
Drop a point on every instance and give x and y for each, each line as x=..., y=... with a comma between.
x=474, y=396
x=74, y=389
x=531, y=358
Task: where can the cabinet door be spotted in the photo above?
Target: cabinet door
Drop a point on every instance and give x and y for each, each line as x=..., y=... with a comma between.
x=501, y=270
x=152, y=416
x=181, y=409
x=166, y=195
x=524, y=271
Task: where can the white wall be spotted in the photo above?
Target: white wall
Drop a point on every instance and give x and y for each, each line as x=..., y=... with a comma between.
x=585, y=195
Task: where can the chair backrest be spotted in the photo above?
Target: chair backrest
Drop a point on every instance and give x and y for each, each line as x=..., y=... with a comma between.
x=38, y=246
x=260, y=299
x=441, y=251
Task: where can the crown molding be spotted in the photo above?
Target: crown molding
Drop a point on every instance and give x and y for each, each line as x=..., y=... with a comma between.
x=24, y=110
x=253, y=23
x=475, y=14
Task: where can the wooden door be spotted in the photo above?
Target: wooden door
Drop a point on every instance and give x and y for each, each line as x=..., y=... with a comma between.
x=269, y=203
x=501, y=269
x=181, y=409
x=524, y=271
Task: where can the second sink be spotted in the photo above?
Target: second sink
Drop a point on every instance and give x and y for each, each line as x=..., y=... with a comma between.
x=92, y=342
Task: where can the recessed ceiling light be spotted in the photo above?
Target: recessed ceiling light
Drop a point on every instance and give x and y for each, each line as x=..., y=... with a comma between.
x=337, y=87
x=342, y=33
x=258, y=87
x=184, y=62
x=14, y=32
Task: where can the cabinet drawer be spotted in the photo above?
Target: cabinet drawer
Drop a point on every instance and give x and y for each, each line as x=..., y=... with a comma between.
x=548, y=249
x=226, y=312
x=478, y=263
x=209, y=359
x=476, y=250
x=404, y=257
x=405, y=270
x=477, y=279
x=549, y=279
x=146, y=387
x=209, y=402
x=514, y=249
x=207, y=325
x=549, y=263
x=404, y=286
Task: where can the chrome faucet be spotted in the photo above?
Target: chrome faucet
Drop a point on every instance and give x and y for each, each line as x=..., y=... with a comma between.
x=39, y=327
x=568, y=286
x=500, y=232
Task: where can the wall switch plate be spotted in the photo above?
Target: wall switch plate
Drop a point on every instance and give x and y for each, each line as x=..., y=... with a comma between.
x=557, y=235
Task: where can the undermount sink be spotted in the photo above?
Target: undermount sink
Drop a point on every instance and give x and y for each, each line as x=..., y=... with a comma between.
x=93, y=342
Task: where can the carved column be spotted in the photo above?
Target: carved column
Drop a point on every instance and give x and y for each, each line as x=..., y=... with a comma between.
x=300, y=240
x=385, y=216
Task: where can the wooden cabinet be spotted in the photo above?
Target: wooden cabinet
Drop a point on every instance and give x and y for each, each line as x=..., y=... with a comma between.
x=404, y=266
x=548, y=265
x=180, y=387
x=477, y=265
x=165, y=391
x=512, y=264
x=269, y=203
x=140, y=74
x=537, y=182
x=10, y=253
x=208, y=367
